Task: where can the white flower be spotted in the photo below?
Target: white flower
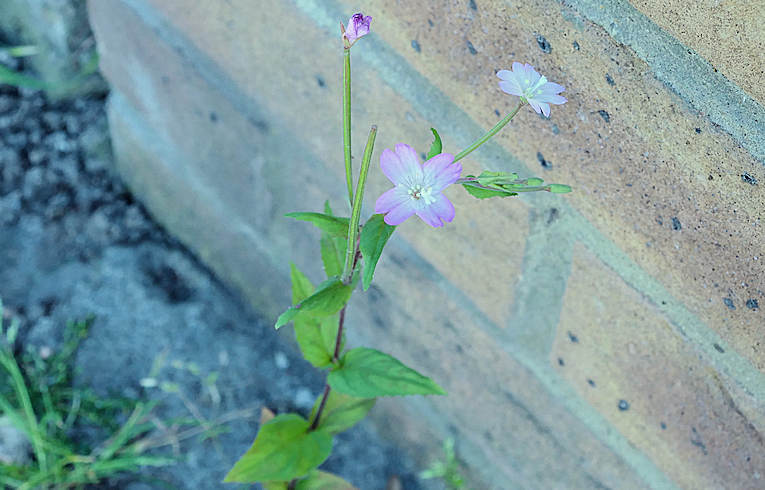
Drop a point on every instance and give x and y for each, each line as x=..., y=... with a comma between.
x=525, y=82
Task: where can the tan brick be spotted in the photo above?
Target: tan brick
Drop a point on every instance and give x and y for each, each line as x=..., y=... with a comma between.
x=527, y=438
x=728, y=34
x=628, y=362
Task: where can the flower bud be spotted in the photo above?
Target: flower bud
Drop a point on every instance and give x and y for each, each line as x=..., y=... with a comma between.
x=358, y=26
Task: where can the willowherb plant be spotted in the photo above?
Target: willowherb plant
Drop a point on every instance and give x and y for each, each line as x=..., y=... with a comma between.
x=289, y=448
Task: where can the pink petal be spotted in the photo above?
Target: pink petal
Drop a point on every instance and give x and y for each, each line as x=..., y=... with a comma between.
x=545, y=108
x=399, y=214
x=505, y=74
x=510, y=87
x=440, y=209
x=437, y=164
x=390, y=199
x=408, y=155
x=446, y=177
x=518, y=68
x=397, y=170
x=443, y=208
x=430, y=217
x=534, y=105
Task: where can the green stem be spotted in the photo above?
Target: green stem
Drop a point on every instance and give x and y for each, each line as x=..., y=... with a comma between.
x=31, y=427
x=483, y=139
x=353, y=226
x=347, y=122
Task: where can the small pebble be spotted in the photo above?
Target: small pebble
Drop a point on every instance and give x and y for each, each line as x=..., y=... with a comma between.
x=304, y=398
x=281, y=360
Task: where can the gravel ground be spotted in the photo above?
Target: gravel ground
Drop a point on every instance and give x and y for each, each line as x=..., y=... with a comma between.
x=74, y=242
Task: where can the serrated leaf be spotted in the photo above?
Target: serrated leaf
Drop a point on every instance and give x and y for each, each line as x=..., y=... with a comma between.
x=321, y=480
x=332, y=249
x=317, y=339
x=480, y=193
x=315, y=336
x=331, y=224
x=374, y=236
x=329, y=297
x=341, y=411
x=369, y=373
x=301, y=285
x=436, y=146
x=283, y=450
x=328, y=331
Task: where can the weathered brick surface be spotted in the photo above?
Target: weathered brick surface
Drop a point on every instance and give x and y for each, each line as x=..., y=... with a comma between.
x=223, y=122
x=629, y=363
x=727, y=34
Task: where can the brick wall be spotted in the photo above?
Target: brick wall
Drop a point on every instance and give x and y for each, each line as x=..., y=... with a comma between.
x=612, y=337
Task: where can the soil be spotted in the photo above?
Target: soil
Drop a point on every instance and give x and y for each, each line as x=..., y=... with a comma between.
x=74, y=242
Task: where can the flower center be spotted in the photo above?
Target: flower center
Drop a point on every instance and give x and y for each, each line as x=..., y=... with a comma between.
x=420, y=192
x=536, y=89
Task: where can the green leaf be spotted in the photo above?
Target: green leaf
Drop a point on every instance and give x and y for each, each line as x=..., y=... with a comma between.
x=283, y=450
x=328, y=331
x=332, y=250
x=374, y=236
x=341, y=411
x=321, y=480
x=331, y=224
x=488, y=178
x=286, y=317
x=435, y=148
x=275, y=485
x=328, y=299
x=301, y=285
x=369, y=373
x=317, y=339
x=480, y=193
x=330, y=296
x=560, y=188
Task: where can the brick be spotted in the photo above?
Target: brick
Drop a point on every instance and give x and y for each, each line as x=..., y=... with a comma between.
x=728, y=34
x=627, y=361
x=511, y=420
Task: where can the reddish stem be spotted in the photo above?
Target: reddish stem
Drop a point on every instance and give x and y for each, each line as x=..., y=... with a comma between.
x=323, y=402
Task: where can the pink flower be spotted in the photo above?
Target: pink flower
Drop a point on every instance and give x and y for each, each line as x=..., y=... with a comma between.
x=358, y=26
x=525, y=82
x=418, y=187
